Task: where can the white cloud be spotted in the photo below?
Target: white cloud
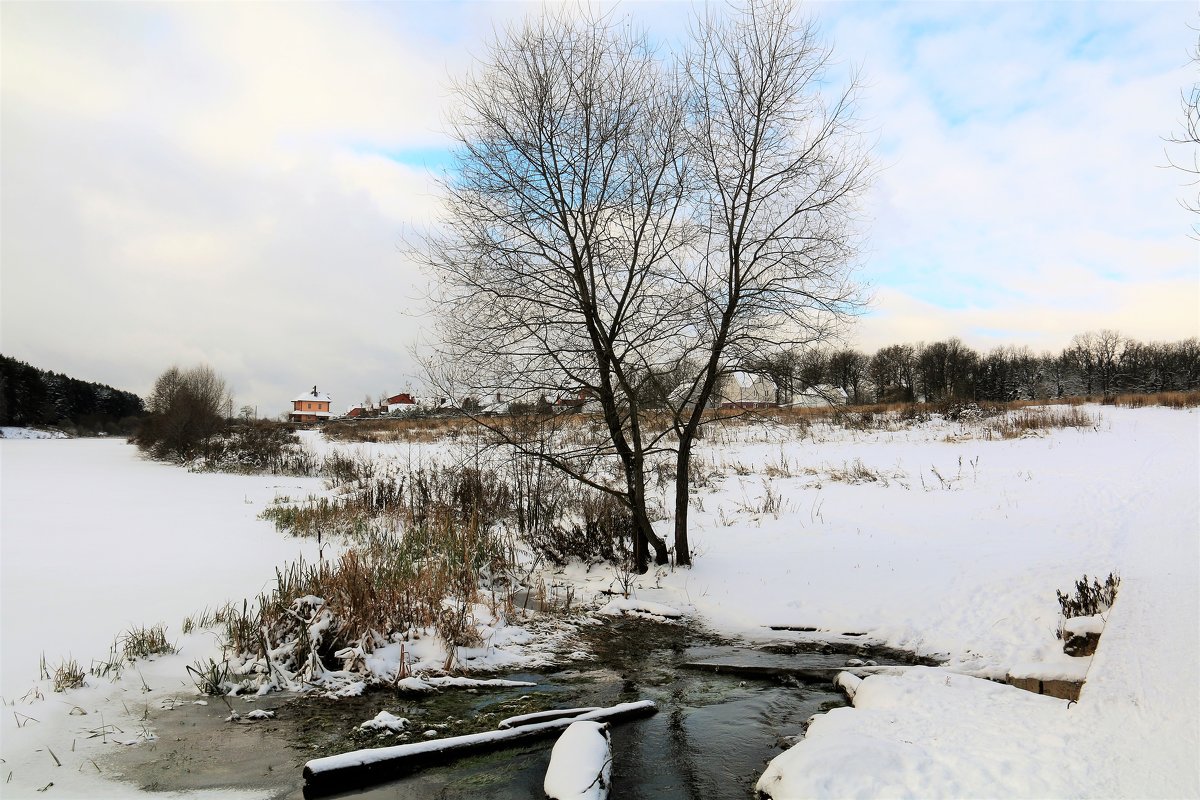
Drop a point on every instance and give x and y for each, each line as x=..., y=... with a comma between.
x=1019, y=178
x=188, y=182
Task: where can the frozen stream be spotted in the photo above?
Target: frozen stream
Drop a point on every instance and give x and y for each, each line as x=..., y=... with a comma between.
x=95, y=539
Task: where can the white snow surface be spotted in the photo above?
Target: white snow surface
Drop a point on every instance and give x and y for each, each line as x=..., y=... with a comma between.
x=580, y=763
x=95, y=539
x=967, y=566
x=954, y=549
x=623, y=605
x=1082, y=625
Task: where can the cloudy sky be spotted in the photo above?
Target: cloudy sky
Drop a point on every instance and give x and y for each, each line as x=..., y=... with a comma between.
x=232, y=183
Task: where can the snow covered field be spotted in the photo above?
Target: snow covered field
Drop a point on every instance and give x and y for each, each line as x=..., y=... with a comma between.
x=924, y=537
x=97, y=539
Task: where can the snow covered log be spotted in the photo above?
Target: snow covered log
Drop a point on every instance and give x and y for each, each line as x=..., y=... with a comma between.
x=545, y=716
x=580, y=763
x=358, y=768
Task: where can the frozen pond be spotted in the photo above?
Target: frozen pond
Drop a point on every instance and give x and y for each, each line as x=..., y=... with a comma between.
x=95, y=539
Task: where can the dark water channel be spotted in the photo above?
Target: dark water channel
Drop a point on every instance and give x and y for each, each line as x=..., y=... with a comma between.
x=711, y=737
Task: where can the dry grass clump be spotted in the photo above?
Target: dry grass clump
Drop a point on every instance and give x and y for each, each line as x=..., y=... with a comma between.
x=401, y=429
x=1036, y=419
x=1188, y=399
x=374, y=500
x=67, y=674
x=327, y=616
x=856, y=472
x=141, y=642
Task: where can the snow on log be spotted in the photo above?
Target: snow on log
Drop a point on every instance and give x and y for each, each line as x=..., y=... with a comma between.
x=415, y=684
x=340, y=773
x=545, y=716
x=580, y=763
x=626, y=606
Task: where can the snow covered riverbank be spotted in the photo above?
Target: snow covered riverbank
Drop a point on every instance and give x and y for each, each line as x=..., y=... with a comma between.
x=927, y=537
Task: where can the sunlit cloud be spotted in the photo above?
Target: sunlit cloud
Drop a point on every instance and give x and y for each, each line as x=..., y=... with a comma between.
x=237, y=183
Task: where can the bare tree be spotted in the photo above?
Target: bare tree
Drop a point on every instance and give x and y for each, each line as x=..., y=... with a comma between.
x=1097, y=356
x=555, y=261
x=1189, y=136
x=778, y=168
x=612, y=231
x=186, y=407
x=892, y=370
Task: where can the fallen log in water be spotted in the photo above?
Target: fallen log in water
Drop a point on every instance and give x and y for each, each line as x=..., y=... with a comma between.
x=353, y=770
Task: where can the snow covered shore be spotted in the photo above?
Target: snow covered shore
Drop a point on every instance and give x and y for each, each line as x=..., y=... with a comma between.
x=921, y=537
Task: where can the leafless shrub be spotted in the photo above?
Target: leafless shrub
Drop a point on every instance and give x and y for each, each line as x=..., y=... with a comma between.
x=1089, y=598
x=253, y=447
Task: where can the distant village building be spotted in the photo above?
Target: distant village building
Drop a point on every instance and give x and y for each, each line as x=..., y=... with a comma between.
x=821, y=396
x=743, y=390
x=311, y=407
x=400, y=403
x=576, y=400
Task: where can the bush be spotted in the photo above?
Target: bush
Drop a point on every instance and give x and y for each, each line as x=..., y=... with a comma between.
x=256, y=446
x=1089, y=598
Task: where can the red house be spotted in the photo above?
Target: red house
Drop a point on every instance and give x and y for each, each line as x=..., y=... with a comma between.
x=311, y=407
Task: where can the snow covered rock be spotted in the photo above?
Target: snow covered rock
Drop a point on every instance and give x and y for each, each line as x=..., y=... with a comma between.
x=385, y=721
x=1081, y=635
x=580, y=763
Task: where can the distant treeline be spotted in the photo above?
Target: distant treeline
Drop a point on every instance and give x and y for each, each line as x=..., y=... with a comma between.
x=1101, y=363
x=31, y=396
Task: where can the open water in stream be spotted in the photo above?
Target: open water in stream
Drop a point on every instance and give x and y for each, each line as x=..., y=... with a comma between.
x=711, y=738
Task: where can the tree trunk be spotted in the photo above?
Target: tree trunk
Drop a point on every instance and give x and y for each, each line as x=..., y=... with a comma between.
x=683, y=553
x=644, y=536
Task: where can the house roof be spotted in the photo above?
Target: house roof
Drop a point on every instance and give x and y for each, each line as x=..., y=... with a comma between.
x=312, y=397
x=310, y=414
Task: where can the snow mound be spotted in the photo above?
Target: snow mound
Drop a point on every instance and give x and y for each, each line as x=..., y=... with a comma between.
x=385, y=721
x=923, y=733
x=627, y=606
x=580, y=763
